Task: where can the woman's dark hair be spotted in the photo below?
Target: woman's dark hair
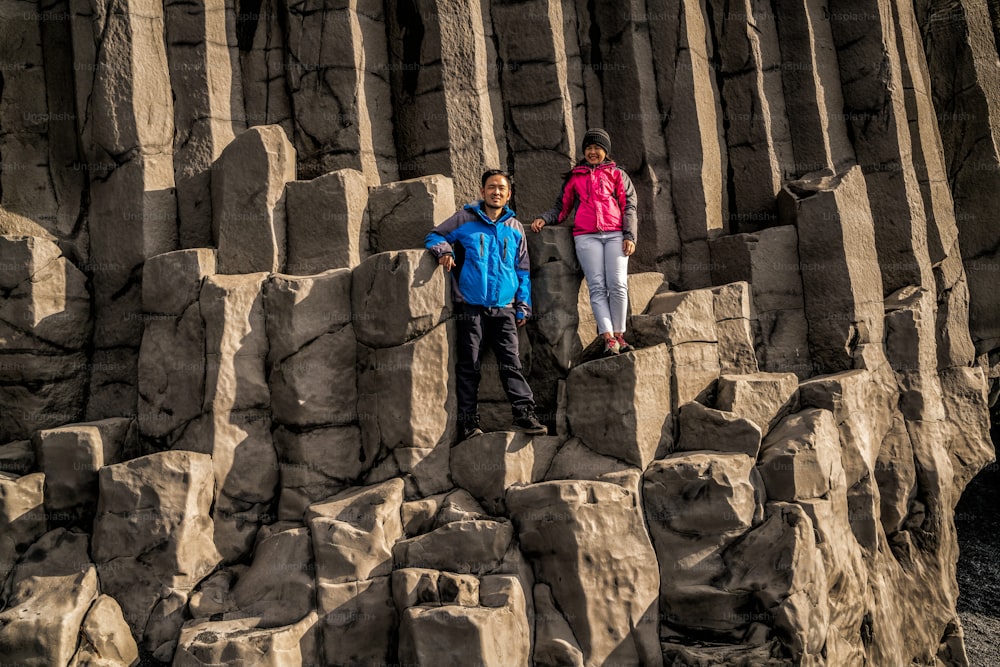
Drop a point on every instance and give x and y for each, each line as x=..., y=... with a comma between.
x=496, y=172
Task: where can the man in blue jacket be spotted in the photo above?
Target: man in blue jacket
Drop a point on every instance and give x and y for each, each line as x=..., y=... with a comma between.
x=484, y=248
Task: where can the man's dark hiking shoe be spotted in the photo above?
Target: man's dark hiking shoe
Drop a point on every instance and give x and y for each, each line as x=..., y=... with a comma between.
x=469, y=429
x=528, y=422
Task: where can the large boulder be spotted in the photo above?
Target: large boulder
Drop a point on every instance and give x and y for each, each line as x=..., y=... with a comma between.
x=324, y=220
x=358, y=621
x=105, y=638
x=70, y=458
x=798, y=457
x=477, y=546
x=241, y=643
x=401, y=213
x=354, y=532
x=495, y=634
x=587, y=541
x=697, y=504
x=23, y=518
x=279, y=586
x=397, y=296
x=763, y=398
x=488, y=465
x=50, y=593
x=154, y=540
x=619, y=406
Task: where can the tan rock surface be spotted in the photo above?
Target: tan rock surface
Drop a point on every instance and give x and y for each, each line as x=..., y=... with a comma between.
x=619, y=406
x=572, y=532
x=248, y=205
x=50, y=593
x=156, y=504
x=324, y=222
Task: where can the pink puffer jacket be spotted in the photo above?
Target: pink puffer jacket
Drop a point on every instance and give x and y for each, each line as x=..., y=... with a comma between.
x=606, y=199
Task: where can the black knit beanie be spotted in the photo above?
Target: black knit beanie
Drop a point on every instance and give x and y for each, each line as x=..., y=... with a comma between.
x=596, y=135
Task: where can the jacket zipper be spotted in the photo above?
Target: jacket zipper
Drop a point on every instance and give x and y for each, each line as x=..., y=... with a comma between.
x=482, y=247
x=505, y=250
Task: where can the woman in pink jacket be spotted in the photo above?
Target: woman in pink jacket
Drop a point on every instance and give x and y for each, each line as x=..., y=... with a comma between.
x=604, y=231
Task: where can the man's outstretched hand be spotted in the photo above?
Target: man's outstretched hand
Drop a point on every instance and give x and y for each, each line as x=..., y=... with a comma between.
x=447, y=261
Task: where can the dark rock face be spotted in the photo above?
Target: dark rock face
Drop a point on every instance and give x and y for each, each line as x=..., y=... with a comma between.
x=227, y=394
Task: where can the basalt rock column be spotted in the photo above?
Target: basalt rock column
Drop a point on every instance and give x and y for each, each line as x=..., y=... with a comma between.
x=874, y=105
x=262, y=64
x=248, y=201
x=443, y=120
x=128, y=144
x=45, y=325
x=955, y=347
x=693, y=127
x=758, y=140
x=960, y=48
x=811, y=82
x=324, y=221
x=535, y=83
x=208, y=104
x=339, y=88
x=38, y=121
x=236, y=426
x=839, y=267
x=769, y=261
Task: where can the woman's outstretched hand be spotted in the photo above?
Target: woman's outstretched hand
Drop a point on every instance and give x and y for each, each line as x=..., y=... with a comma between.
x=628, y=247
x=537, y=224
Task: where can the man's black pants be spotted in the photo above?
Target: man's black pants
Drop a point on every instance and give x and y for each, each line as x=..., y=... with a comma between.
x=477, y=327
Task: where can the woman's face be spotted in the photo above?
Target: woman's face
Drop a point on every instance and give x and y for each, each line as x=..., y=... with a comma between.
x=594, y=154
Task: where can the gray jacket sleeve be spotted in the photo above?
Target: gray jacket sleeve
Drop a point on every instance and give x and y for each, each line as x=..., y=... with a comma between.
x=438, y=240
x=630, y=220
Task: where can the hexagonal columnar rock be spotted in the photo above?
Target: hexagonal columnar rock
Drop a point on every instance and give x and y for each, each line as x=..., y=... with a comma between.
x=154, y=539
x=50, y=594
x=248, y=206
x=396, y=296
x=44, y=325
x=324, y=222
x=587, y=541
x=618, y=406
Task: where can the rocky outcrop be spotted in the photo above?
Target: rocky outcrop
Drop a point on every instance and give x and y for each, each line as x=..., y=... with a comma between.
x=227, y=393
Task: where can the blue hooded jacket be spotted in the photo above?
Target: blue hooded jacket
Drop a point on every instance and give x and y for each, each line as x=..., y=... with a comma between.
x=491, y=258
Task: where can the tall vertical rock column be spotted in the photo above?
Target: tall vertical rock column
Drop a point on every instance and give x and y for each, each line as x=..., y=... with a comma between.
x=248, y=200
x=633, y=108
x=261, y=40
x=339, y=89
x=758, y=140
x=128, y=145
x=38, y=121
x=535, y=84
x=236, y=426
x=954, y=344
x=208, y=104
x=444, y=119
x=961, y=49
x=45, y=325
x=697, y=158
x=810, y=79
x=406, y=385
x=864, y=36
x=841, y=282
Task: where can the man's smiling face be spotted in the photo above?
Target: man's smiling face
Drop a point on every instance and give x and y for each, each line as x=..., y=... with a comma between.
x=496, y=192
